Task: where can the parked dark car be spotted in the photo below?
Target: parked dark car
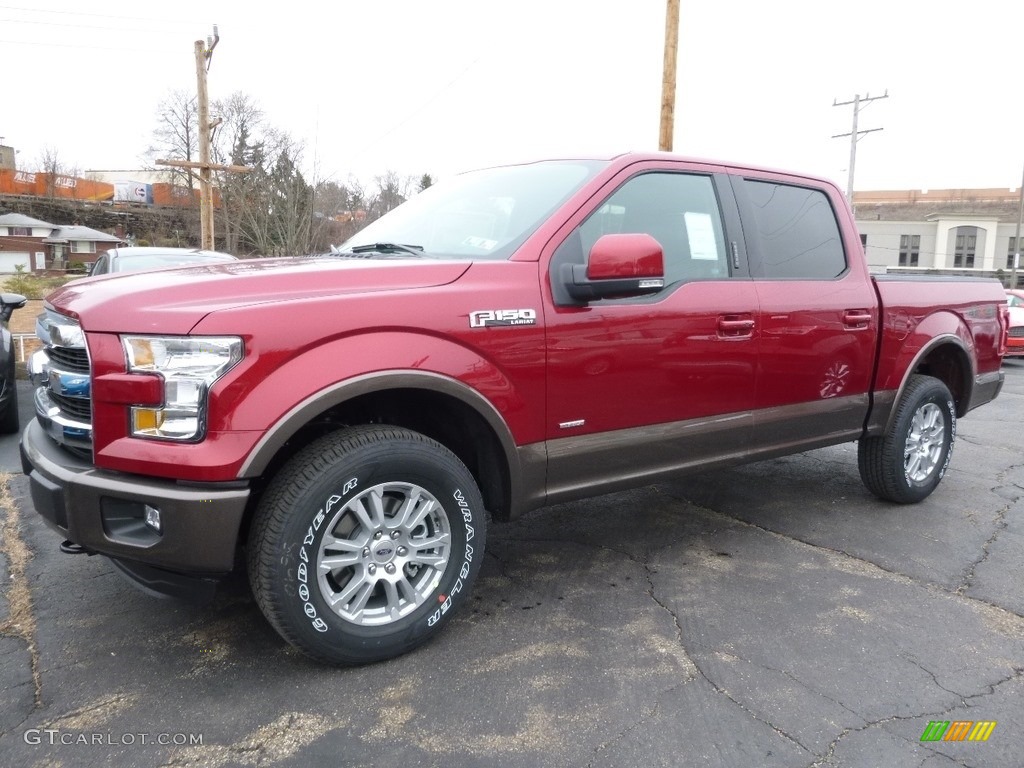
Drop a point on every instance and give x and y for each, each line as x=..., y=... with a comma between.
x=8, y=383
x=137, y=259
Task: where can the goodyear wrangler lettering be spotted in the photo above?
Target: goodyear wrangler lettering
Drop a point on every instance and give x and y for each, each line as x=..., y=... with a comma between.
x=446, y=600
x=302, y=572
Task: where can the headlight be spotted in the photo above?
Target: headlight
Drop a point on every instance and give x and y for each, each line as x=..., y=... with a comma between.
x=189, y=366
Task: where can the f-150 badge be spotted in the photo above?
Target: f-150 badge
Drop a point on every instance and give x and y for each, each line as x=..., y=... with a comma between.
x=484, y=318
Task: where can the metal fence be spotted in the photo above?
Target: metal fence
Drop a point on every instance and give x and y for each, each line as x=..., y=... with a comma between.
x=24, y=345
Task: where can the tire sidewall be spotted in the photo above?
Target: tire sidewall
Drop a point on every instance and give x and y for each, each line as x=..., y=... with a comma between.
x=936, y=393
x=300, y=598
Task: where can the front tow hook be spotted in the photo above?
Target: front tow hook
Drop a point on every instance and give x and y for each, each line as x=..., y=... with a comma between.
x=68, y=547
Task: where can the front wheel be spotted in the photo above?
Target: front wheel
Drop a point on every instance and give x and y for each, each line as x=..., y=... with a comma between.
x=365, y=543
x=906, y=464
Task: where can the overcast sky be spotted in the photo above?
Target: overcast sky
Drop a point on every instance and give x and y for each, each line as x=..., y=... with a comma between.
x=435, y=86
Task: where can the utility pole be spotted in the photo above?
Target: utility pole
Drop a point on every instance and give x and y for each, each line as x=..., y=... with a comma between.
x=668, y=77
x=204, y=53
x=858, y=104
x=1016, y=240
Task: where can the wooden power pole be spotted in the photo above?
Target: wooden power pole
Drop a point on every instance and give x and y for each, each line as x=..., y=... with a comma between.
x=668, y=77
x=204, y=53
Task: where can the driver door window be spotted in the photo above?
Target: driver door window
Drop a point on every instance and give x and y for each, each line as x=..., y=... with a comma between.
x=678, y=210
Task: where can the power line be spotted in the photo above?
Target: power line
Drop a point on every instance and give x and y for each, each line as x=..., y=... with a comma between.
x=416, y=110
x=83, y=46
x=77, y=25
x=180, y=21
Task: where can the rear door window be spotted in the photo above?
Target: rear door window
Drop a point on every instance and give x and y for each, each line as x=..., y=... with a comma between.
x=797, y=235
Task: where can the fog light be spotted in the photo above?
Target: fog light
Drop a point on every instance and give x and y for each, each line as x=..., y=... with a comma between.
x=153, y=518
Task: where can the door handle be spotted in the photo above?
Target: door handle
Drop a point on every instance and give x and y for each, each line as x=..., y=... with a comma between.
x=735, y=327
x=856, y=319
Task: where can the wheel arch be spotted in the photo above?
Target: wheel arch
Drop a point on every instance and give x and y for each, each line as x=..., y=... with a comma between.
x=948, y=359
x=435, y=405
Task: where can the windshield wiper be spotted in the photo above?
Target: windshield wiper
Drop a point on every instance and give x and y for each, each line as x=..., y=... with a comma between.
x=412, y=250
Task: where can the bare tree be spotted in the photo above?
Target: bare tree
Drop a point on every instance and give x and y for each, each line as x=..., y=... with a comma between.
x=392, y=191
x=176, y=136
x=56, y=170
x=277, y=211
x=237, y=141
x=274, y=209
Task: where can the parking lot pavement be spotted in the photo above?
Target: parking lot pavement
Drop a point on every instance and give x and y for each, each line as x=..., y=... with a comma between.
x=770, y=615
x=10, y=461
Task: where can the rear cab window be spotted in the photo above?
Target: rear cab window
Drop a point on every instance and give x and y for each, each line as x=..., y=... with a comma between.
x=797, y=234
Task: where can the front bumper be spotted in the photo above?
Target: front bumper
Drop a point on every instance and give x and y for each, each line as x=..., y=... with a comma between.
x=103, y=512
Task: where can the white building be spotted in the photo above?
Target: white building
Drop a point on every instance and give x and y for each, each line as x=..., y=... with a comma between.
x=944, y=231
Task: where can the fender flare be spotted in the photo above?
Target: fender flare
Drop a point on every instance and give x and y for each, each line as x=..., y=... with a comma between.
x=939, y=341
x=325, y=399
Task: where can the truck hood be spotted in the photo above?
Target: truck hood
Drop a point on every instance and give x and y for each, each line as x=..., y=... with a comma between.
x=173, y=301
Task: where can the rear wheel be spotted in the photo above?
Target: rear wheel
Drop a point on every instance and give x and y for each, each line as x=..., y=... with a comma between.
x=365, y=543
x=906, y=464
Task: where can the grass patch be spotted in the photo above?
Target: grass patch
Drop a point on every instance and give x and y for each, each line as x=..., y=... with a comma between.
x=21, y=620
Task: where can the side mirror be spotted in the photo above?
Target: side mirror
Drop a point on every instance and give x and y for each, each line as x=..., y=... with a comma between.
x=619, y=266
x=10, y=302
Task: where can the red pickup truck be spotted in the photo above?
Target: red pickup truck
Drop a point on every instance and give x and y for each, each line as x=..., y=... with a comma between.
x=346, y=424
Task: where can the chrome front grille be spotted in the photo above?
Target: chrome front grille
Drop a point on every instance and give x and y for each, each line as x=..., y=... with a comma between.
x=1017, y=331
x=70, y=359
x=62, y=375
x=75, y=407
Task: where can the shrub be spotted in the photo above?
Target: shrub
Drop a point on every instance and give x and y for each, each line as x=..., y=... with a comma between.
x=34, y=286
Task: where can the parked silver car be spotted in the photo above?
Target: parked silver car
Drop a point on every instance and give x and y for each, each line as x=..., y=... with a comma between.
x=8, y=381
x=136, y=259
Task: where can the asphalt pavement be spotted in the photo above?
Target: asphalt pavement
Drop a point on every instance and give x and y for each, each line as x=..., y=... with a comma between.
x=10, y=460
x=771, y=615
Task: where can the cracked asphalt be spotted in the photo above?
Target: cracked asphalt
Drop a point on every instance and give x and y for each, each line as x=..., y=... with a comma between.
x=770, y=615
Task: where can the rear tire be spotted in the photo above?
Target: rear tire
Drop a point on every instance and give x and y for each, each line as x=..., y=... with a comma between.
x=365, y=543
x=907, y=463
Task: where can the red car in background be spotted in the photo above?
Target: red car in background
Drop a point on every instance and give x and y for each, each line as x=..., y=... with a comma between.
x=1015, y=342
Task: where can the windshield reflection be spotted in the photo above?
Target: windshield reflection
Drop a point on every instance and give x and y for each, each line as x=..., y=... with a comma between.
x=484, y=214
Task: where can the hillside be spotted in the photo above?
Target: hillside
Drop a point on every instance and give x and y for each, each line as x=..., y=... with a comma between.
x=154, y=226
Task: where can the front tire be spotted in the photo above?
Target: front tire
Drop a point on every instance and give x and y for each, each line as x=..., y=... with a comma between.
x=365, y=543
x=907, y=463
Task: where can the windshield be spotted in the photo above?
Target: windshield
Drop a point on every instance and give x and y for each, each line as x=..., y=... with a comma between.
x=483, y=214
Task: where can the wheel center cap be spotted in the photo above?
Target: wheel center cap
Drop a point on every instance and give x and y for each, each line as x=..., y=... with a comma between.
x=384, y=553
